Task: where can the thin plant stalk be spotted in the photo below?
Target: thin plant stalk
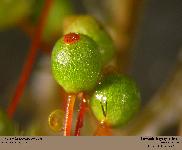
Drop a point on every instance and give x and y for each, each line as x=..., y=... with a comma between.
x=79, y=123
x=30, y=60
x=69, y=114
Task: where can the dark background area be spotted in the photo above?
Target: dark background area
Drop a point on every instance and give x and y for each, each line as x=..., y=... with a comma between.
x=157, y=42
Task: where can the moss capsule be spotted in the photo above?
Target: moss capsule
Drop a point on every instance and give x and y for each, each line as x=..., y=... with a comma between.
x=116, y=100
x=76, y=63
x=89, y=26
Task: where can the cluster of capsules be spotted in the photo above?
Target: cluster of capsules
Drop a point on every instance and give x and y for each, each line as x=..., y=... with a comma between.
x=78, y=60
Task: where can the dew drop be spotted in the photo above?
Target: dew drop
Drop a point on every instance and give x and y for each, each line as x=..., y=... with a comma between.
x=55, y=120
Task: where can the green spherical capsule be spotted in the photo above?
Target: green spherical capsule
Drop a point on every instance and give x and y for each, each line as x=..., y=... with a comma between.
x=89, y=26
x=6, y=126
x=76, y=63
x=116, y=100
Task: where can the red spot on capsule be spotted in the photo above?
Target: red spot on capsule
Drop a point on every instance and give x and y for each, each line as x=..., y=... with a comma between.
x=71, y=38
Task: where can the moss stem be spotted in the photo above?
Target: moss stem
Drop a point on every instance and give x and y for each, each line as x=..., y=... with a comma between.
x=80, y=117
x=69, y=114
x=30, y=60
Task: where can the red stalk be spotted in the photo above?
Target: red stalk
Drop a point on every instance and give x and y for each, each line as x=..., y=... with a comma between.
x=79, y=123
x=69, y=114
x=27, y=68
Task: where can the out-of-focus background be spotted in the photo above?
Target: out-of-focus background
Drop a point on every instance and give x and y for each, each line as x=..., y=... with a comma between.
x=152, y=34
x=157, y=44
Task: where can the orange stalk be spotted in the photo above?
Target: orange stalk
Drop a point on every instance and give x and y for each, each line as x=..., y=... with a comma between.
x=69, y=114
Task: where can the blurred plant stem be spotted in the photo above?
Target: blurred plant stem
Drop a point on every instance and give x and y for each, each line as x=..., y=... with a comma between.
x=30, y=30
x=124, y=16
x=27, y=68
x=165, y=108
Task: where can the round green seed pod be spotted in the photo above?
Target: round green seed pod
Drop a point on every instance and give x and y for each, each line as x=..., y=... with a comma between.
x=76, y=63
x=89, y=26
x=116, y=100
x=6, y=126
x=13, y=11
